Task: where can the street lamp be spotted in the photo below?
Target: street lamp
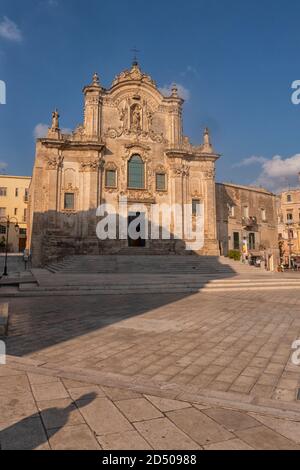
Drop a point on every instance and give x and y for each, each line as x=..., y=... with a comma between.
x=290, y=243
x=8, y=221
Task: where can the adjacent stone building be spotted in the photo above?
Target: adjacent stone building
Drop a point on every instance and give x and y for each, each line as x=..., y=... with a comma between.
x=14, y=192
x=289, y=223
x=247, y=220
x=130, y=144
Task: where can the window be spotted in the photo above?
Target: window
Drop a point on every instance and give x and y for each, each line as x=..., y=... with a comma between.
x=3, y=229
x=16, y=211
x=195, y=204
x=245, y=211
x=69, y=201
x=289, y=216
x=160, y=181
x=25, y=215
x=231, y=210
x=136, y=172
x=236, y=240
x=26, y=195
x=263, y=215
x=17, y=192
x=110, y=179
x=252, y=241
x=2, y=211
x=22, y=231
x=3, y=192
x=289, y=198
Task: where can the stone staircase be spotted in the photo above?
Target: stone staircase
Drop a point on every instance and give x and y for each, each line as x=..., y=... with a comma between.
x=158, y=264
x=160, y=274
x=116, y=275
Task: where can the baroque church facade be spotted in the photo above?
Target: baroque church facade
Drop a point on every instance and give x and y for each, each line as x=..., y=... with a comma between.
x=130, y=145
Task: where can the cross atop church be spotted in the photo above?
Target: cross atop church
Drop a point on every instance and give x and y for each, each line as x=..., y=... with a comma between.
x=135, y=58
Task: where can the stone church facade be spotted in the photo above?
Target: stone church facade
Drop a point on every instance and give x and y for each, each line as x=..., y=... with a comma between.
x=130, y=144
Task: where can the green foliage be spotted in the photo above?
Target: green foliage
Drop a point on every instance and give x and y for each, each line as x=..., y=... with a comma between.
x=234, y=254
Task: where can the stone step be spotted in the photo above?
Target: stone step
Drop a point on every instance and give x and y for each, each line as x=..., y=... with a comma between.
x=145, y=264
x=161, y=286
x=144, y=291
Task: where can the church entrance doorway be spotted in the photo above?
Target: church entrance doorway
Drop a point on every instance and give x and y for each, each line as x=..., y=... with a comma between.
x=139, y=228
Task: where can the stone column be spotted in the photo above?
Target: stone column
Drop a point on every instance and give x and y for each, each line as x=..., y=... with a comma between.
x=211, y=216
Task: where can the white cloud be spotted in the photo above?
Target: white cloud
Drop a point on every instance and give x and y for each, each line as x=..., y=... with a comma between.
x=183, y=92
x=40, y=131
x=276, y=174
x=250, y=161
x=9, y=30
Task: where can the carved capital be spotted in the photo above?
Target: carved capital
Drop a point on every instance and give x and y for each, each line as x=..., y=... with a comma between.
x=210, y=174
x=55, y=162
x=91, y=165
x=181, y=170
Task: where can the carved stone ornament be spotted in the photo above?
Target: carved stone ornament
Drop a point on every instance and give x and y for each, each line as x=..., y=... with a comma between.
x=196, y=195
x=91, y=165
x=139, y=196
x=210, y=174
x=69, y=187
x=134, y=73
x=55, y=162
x=143, y=135
x=182, y=170
x=160, y=169
x=136, y=119
x=110, y=166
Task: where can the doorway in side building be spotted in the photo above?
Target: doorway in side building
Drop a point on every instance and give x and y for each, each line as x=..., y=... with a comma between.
x=251, y=241
x=22, y=239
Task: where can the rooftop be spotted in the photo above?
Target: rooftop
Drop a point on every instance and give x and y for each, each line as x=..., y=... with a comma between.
x=249, y=188
x=16, y=177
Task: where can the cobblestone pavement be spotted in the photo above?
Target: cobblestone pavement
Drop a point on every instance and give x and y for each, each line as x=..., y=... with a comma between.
x=231, y=341
x=161, y=371
x=43, y=408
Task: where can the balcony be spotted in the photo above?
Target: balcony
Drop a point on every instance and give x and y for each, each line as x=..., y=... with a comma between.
x=249, y=223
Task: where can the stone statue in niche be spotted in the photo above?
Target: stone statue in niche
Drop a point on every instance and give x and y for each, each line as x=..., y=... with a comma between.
x=136, y=118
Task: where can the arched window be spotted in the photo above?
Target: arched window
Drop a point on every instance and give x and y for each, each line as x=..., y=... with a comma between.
x=136, y=172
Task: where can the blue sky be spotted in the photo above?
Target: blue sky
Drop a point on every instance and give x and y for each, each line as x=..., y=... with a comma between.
x=234, y=59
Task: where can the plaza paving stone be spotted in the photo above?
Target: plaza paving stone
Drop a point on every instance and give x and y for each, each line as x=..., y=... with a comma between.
x=160, y=371
x=143, y=421
x=221, y=342
x=129, y=440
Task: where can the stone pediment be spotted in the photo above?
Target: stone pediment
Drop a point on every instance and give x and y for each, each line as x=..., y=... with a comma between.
x=134, y=74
